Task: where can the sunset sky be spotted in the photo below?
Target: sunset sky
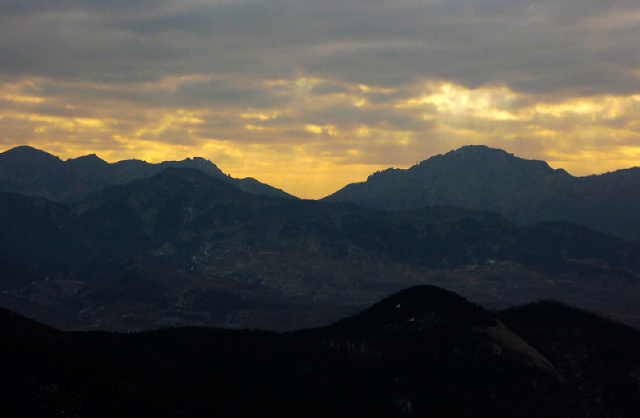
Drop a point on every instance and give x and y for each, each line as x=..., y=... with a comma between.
x=311, y=95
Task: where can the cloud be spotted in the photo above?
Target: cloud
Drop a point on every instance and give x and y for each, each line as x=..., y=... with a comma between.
x=541, y=47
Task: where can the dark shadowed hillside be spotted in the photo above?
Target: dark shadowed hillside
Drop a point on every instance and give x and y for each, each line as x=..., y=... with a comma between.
x=421, y=352
x=524, y=191
x=599, y=356
x=32, y=172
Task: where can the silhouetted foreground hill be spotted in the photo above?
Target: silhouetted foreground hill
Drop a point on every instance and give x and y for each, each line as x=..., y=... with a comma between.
x=422, y=352
x=524, y=191
x=183, y=248
x=597, y=355
x=32, y=172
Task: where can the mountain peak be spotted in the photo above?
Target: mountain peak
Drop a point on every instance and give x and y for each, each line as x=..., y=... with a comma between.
x=199, y=163
x=26, y=152
x=191, y=176
x=90, y=160
x=479, y=150
x=416, y=308
x=479, y=159
x=470, y=151
x=485, y=152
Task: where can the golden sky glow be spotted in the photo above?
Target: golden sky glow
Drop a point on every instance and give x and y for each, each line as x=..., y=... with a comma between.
x=301, y=158
x=290, y=95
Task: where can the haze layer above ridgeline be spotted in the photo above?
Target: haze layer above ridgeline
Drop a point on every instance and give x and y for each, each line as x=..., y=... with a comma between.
x=182, y=247
x=524, y=191
x=32, y=172
x=423, y=351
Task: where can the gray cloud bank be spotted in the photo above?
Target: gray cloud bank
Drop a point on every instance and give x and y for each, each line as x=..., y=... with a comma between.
x=583, y=47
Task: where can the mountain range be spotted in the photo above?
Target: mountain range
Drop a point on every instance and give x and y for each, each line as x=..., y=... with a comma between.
x=423, y=351
x=182, y=247
x=472, y=177
x=524, y=191
x=33, y=172
x=371, y=307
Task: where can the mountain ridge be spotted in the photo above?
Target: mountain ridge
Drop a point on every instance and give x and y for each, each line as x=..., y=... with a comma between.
x=34, y=172
x=524, y=191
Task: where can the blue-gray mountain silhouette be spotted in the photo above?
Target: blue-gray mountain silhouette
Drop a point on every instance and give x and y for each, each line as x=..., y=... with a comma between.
x=524, y=191
x=33, y=172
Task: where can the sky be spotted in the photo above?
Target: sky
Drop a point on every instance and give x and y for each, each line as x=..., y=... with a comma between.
x=311, y=95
